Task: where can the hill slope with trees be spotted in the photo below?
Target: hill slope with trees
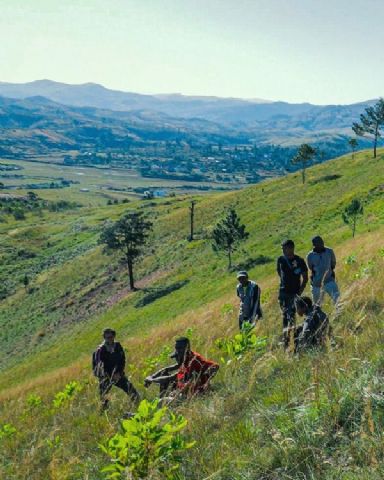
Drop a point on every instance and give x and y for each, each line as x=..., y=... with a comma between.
x=270, y=415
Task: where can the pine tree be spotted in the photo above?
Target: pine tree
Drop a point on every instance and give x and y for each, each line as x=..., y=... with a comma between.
x=370, y=123
x=227, y=234
x=353, y=143
x=303, y=157
x=351, y=213
x=129, y=235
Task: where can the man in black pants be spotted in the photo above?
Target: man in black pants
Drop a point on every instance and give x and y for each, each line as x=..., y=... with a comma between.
x=293, y=273
x=108, y=364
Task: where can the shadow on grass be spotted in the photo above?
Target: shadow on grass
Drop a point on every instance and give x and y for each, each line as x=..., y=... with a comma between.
x=154, y=293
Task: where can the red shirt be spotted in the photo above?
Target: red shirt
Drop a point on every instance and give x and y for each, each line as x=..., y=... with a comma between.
x=193, y=374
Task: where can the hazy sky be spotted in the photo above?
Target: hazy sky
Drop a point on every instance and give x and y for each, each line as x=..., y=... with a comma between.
x=322, y=51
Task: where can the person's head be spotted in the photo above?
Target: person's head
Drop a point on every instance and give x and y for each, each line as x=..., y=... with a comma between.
x=109, y=335
x=303, y=305
x=288, y=247
x=182, y=348
x=318, y=243
x=242, y=277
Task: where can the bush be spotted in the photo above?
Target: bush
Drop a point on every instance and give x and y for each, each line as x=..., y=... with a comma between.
x=234, y=348
x=150, y=443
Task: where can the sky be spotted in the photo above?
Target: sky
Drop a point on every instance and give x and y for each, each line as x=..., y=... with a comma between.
x=318, y=51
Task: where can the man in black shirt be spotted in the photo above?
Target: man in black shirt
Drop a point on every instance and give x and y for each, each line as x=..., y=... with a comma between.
x=293, y=273
x=108, y=363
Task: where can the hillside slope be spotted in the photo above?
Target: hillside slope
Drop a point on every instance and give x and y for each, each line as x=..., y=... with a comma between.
x=280, y=417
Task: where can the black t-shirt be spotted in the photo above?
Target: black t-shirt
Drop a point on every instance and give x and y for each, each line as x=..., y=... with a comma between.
x=290, y=271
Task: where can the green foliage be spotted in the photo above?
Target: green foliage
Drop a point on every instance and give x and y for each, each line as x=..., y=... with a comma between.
x=34, y=401
x=66, y=395
x=7, y=430
x=371, y=123
x=129, y=235
x=243, y=342
x=151, y=363
x=351, y=213
x=150, y=443
x=304, y=157
x=228, y=233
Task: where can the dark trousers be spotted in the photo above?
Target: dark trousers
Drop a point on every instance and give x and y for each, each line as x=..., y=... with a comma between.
x=107, y=383
x=287, y=306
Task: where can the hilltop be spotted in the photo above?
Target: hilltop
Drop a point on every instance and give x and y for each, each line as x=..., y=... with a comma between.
x=271, y=417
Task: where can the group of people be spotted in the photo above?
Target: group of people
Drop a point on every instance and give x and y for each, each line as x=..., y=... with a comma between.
x=191, y=373
x=188, y=376
x=293, y=273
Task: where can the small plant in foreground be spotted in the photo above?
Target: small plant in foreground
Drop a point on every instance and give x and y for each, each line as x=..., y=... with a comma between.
x=234, y=348
x=7, y=430
x=67, y=394
x=34, y=401
x=150, y=443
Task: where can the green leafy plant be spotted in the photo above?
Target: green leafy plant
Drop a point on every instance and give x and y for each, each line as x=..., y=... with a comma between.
x=7, y=430
x=351, y=213
x=234, y=348
x=34, y=401
x=150, y=443
x=151, y=363
x=66, y=395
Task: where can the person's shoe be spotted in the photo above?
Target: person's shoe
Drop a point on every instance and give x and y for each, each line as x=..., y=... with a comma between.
x=128, y=415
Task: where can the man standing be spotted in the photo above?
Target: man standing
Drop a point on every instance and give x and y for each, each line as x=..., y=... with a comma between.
x=314, y=330
x=322, y=262
x=293, y=273
x=249, y=294
x=192, y=373
x=108, y=363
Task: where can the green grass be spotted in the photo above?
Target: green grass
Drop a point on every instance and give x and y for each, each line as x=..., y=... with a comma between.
x=278, y=418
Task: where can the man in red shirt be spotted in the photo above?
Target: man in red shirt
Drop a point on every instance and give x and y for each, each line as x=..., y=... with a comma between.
x=192, y=372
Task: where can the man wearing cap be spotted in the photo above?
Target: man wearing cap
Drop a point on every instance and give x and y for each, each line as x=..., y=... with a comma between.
x=313, y=331
x=108, y=364
x=249, y=294
x=293, y=273
x=190, y=375
x=322, y=262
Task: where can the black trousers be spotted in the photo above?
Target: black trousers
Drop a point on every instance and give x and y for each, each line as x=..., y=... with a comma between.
x=288, y=309
x=123, y=383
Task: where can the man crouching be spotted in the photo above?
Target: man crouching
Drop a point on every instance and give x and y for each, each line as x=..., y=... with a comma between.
x=315, y=328
x=190, y=375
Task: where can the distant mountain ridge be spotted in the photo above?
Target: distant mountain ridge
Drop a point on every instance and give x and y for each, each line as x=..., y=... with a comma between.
x=240, y=113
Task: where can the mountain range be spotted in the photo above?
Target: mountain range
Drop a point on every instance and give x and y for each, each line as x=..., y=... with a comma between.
x=43, y=115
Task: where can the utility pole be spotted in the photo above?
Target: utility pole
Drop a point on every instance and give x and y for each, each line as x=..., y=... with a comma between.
x=192, y=215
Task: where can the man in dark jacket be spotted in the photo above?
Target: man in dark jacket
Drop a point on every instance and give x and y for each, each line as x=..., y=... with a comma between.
x=108, y=363
x=315, y=328
x=249, y=294
x=293, y=273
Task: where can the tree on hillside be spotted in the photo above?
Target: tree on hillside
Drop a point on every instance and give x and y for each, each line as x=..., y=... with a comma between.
x=353, y=143
x=129, y=235
x=370, y=123
x=303, y=157
x=351, y=213
x=228, y=233
x=192, y=219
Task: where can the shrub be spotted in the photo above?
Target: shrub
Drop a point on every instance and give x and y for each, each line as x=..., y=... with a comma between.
x=7, y=430
x=65, y=396
x=150, y=443
x=234, y=348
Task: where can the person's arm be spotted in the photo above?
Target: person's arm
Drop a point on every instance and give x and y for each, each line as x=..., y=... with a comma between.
x=162, y=373
x=121, y=367
x=160, y=380
x=278, y=269
x=304, y=277
x=256, y=311
x=333, y=260
x=98, y=369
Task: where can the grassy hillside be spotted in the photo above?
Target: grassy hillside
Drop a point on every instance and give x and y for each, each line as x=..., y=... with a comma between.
x=317, y=416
